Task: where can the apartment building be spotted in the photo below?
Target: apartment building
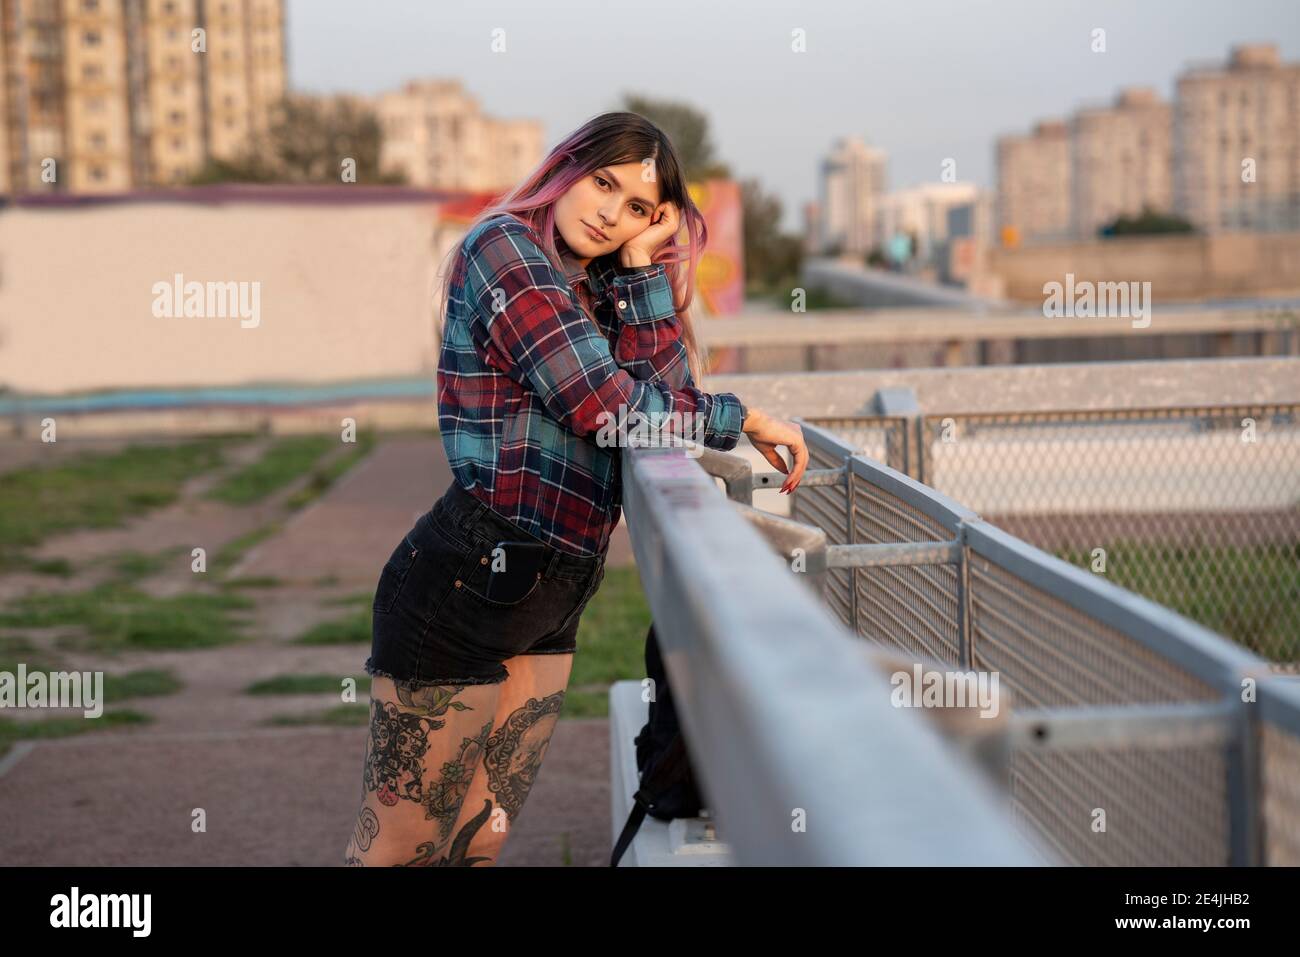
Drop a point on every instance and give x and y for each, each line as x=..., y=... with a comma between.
x=435, y=132
x=853, y=179
x=1034, y=184
x=101, y=96
x=1237, y=142
x=1121, y=160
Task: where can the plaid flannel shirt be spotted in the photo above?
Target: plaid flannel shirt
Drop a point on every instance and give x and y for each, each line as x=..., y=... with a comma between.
x=528, y=384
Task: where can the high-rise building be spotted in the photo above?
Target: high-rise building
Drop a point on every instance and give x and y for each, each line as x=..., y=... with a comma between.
x=921, y=212
x=107, y=95
x=1237, y=142
x=1033, y=175
x=435, y=133
x=812, y=228
x=1121, y=160
x=852, y=182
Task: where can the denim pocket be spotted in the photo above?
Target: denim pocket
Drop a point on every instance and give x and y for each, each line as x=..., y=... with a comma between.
x=475, y=582
x=394, y=575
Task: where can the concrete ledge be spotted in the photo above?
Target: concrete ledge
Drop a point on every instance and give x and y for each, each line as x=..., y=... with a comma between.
x=1025, y=388
x=680, y=843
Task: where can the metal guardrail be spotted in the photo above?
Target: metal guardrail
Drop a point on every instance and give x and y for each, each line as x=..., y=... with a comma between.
x=884, y=438
x=802, y=757
x=1194, y=507
x=1136, y=740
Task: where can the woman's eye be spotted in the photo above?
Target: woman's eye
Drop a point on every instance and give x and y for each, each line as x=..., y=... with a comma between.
x=601, y=182
x=640, y=210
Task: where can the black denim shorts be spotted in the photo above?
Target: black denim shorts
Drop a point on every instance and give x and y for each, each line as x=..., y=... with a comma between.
x=433, y=623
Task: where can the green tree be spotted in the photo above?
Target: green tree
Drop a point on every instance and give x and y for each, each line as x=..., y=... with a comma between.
x=772, y=259
x=1149, y=222
x=688, y=129
x=308, y=141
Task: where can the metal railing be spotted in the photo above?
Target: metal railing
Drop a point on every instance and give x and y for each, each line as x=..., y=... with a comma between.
x=1196, y=508
x=1137, y=738
x=801, y=756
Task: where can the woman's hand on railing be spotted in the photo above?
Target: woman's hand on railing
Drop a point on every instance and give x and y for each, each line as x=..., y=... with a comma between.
x=766, y=434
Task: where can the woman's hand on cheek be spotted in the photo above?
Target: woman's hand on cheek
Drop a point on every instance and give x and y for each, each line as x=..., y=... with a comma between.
x=640, y=249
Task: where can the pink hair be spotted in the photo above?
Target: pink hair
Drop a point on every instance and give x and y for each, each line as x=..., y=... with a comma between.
x=610, y=139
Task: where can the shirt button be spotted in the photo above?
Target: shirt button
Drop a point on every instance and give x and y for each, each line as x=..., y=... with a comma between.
x=622, y=304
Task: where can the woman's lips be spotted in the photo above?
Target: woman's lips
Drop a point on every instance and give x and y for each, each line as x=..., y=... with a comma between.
x=596, y=234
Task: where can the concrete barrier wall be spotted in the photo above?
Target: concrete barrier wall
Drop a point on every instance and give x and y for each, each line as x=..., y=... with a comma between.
x=346, y=292
x=1178, y=267
x=1085, y=385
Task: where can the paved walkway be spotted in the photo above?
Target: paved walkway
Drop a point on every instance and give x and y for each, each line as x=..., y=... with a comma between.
x=351, y=531
x=270, y=797
x=275, y=795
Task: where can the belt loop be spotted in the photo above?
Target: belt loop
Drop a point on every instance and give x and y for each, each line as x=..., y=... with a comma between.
x=553, y=565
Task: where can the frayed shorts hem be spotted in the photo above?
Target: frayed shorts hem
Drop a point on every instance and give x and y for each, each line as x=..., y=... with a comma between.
x=431, y=682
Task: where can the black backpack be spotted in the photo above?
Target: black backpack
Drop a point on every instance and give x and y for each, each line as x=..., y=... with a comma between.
x=668, y=788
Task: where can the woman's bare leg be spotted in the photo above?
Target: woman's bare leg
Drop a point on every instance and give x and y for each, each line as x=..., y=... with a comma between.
x=526, y=714
x=421, y=755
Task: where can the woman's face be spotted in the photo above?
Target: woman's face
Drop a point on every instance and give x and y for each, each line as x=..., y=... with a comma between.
x=613, y=200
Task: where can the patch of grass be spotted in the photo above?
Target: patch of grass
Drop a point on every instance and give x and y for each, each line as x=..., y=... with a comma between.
x=252, y=581
x=611, y=644
x=285, y=460
x=41, y=566
x=324, y=476
x=590, y=701
x=134, y=684
x=345, y=715
x=15, y=649
x=117, y=617
x=95, y=490
x=306, y=684
x=133, y=566
x=1251, y=594
x=143, y=683
x=230, y=553
x=62, y=727
x=351, y=629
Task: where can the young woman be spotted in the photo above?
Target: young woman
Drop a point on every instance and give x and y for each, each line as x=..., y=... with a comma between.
x=565, y=313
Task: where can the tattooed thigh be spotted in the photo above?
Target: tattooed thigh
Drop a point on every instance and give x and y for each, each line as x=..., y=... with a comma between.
x=516, y=748
x=421, y=755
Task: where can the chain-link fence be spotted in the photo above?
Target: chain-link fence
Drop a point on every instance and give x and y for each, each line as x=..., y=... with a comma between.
x=1197, y=509
x=1143, y=744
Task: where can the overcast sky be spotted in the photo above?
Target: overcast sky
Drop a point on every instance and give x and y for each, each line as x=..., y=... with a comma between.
x=922, y=79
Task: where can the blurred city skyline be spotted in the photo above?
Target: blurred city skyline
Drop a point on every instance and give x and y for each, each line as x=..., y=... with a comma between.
x=857, y=77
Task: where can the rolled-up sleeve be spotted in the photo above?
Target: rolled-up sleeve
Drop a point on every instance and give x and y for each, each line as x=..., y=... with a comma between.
x=538, y=336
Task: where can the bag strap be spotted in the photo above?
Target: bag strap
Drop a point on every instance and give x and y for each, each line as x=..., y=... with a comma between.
x=669, y=770
x=630, y=828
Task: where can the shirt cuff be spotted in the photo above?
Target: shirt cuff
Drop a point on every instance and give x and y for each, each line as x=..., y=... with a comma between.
x=723, y=428
x=642, y=294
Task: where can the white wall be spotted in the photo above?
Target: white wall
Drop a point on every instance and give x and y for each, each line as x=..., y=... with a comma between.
x=346, y=292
